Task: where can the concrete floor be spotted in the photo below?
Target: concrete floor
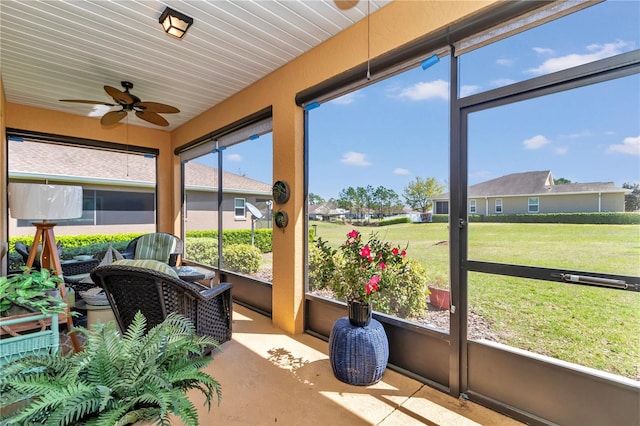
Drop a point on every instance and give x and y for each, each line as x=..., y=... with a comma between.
x=269, y=377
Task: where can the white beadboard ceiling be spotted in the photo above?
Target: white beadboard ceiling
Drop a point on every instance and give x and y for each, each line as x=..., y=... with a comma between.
x=70, y=49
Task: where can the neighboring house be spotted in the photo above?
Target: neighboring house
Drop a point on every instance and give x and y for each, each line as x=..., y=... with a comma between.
x=119, y=190
x=324, y=212
x=535, y=192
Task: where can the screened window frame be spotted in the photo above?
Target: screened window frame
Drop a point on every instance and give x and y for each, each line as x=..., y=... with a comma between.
x=13, y=135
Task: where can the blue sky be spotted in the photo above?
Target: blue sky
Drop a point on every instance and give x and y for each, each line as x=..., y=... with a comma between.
x=393, y=131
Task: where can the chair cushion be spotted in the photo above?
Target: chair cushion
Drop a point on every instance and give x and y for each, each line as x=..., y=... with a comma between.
x=148, y=264
x=156, y=246
x=109, y=255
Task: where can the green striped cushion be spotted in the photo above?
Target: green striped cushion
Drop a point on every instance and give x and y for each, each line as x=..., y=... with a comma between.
x=148, y=264
x=155, y=246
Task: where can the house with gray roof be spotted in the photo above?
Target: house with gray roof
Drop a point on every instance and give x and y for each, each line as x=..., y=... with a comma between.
x=119, y=193
x=535, y=192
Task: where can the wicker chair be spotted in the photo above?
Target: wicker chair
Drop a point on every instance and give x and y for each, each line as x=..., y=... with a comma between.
x=23, y=251
x=130, y=289
x=76, y=272
x=132, y=251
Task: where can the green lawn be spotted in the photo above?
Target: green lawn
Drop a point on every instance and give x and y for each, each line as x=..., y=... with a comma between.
x=595, y=327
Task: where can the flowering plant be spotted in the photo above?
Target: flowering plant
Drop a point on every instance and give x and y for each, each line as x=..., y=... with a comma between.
x=360, y=270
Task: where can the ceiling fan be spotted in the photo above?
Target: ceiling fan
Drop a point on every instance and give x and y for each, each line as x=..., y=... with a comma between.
x=148, y=111
x=345, y=4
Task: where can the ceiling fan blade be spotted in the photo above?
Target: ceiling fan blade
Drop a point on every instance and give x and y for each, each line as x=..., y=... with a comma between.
x=345, y=4
x=152, y=117
x=156, y=107
x=80, y=101
x=113, y=117
x=119, y=96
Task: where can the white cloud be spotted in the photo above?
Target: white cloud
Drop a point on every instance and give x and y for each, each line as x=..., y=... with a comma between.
x=345, y=99
x=596, y=51
x=469, y=90
x=355, y=159
x=438, y=89
x=577, y=135
x=543, y=50
x=401, y=171
x=630, y=145
x=535, y=142
x=233, y=157
x=505, y=62
x=561, y=150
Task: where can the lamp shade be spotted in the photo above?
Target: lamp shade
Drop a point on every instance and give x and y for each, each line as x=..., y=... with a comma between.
x=44, y=202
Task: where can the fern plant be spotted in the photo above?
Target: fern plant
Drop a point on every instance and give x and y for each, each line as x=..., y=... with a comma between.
x=116, y=380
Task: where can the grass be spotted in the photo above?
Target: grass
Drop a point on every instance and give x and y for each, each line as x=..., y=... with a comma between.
x=594, y=327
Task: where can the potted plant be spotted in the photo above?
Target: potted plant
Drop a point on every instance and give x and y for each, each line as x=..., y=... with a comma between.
x=281, y=192
x=117, y=379
x=29, y=307
x=359, y=270
x=357, y=273
x=30, y=291
x=439, y=294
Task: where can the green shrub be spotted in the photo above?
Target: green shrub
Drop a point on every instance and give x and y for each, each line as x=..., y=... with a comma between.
x=202, y=250
x=609, y=218
x=405, y=297
x=319, y=271
x=243, y=258
x=439, y=218
x=393, y=221
x=261, y=237
x=405, y=292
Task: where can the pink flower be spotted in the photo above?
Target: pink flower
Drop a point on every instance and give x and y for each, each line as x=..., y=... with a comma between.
x=404, y=253
x=365, y=251
x=395, y=251
x=353, y=234
x=372, y=285
x=383, y=265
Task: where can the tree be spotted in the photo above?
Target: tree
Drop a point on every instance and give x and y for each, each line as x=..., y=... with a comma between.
x=384, y=200
x=315, y=199
x=632, y=199
x=561, y=181
x=419, y=193
x=347, y=198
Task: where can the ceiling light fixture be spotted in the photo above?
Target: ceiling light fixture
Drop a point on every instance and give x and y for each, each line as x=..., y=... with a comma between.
x=175, y=23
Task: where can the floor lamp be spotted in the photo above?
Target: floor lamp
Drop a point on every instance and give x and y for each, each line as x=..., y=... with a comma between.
x=44, y=203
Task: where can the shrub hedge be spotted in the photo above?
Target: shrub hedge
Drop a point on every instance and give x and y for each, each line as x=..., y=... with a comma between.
x=393, y=221
x=579, y=218
x=243, y=258
x=262, y=237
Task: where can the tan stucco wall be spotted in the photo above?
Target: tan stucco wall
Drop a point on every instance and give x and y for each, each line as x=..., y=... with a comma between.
x=391, y=27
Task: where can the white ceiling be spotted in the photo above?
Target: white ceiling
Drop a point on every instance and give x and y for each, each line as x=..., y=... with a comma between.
x=70, y=49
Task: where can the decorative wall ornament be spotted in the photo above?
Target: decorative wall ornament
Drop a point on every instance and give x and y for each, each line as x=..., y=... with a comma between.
x=281, y=192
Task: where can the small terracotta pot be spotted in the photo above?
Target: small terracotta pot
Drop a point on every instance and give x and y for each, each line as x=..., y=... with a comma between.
x=440, y=298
